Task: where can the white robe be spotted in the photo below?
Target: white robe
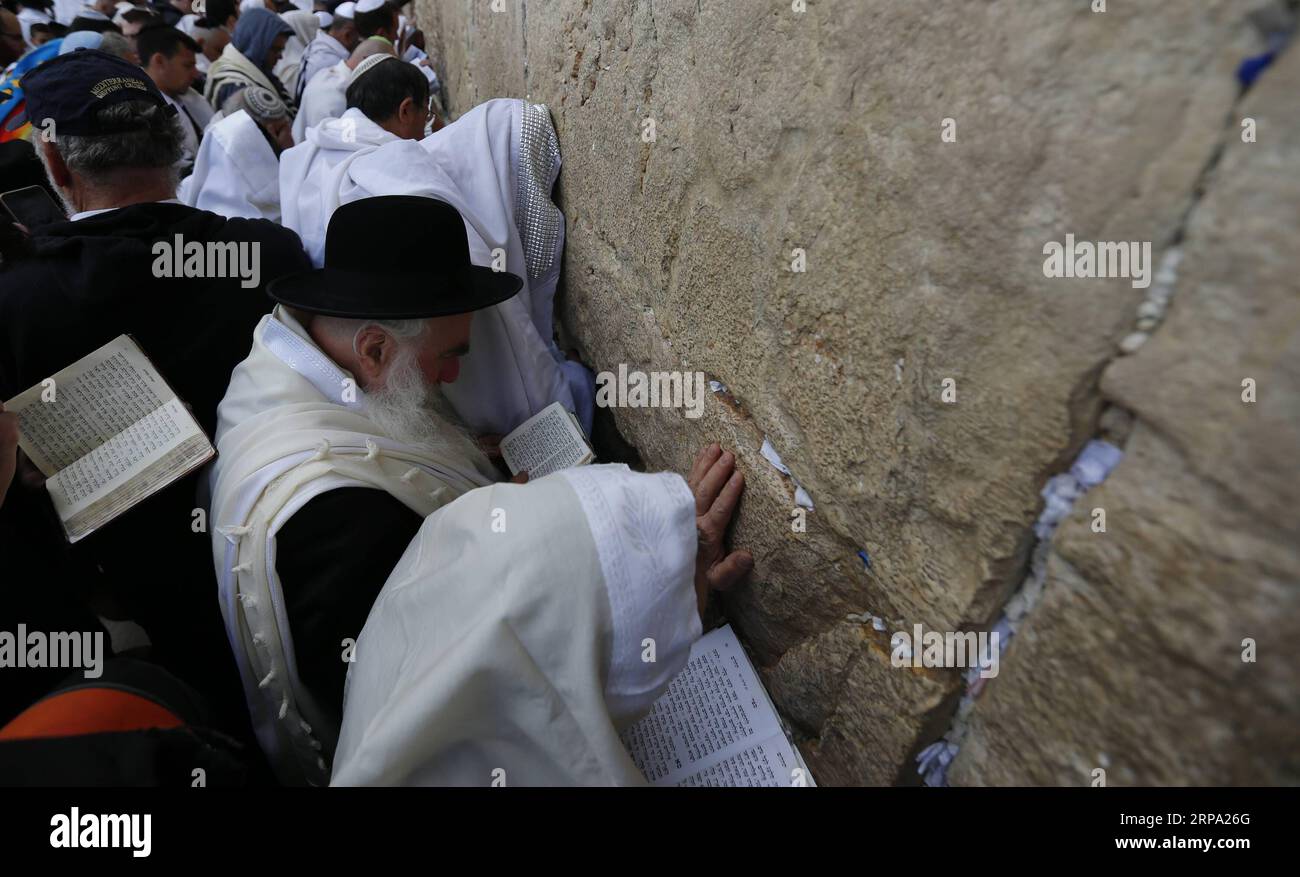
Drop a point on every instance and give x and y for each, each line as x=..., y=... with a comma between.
x=516, y=657
x=496, y=165
x=236, y=172
x=325, y=97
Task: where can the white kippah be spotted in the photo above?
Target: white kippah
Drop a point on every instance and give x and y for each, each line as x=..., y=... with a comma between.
x=324, y=19
x=370, y=5
x=369, y=64
x=346, y=10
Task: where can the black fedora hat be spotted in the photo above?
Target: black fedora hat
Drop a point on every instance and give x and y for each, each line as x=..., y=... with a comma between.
x=358, y=282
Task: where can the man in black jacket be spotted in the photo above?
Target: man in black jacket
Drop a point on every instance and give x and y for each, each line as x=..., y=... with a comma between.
x=106, y=271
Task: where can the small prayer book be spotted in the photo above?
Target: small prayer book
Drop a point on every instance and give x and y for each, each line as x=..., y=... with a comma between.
x=548, y=441
x=715, y=725
x=107, y=432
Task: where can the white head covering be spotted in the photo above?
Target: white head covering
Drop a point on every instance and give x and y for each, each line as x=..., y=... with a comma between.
x=369, y=5
x=324, y=19
x=346, y=10
x=251, y=4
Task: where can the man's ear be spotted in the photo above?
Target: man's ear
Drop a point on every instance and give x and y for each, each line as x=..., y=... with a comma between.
x=59, y=173
x=406, y=109
x=375, y=353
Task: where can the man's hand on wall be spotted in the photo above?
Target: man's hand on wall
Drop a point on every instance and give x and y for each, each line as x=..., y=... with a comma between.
x=717, y=488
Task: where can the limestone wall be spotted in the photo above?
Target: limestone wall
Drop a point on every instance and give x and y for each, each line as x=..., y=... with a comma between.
x=776, y=129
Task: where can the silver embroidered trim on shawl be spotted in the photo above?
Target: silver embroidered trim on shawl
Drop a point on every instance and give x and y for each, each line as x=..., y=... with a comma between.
x=538, y=219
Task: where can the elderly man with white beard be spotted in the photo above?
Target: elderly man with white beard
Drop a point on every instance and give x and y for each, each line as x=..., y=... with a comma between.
x=526, y=605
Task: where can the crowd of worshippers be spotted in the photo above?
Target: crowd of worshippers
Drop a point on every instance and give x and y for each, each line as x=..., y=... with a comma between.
x=356, y=589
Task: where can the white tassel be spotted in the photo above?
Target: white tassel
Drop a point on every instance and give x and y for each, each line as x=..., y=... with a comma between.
x=410, y=474
x=243, y=567
x=320, y=762
x=306, y=728
x=322, y=451
x=233, y=534
x=372, y=451
x=248, y=601
x=267, y=680
x=284, y=707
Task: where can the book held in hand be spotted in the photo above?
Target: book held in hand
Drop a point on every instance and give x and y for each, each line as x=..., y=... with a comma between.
x=548, y=441
x=107, y=432
x=715, y=725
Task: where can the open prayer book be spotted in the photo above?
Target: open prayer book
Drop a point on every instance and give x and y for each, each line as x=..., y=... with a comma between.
x=715, y=726
x=107, y=432
x=548, y=441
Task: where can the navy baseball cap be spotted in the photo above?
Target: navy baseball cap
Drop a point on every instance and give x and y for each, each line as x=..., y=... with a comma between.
x=71, y=88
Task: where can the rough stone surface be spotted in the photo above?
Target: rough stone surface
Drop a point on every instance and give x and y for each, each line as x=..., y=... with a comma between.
x=821, y=130
x=1134, y=659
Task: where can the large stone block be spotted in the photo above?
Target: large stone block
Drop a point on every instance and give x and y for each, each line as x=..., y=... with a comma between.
x=1134, y=659
x=776, y=130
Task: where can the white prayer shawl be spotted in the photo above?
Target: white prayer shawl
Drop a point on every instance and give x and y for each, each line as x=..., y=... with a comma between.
x=236, y=173
x=232, y=66
x=288, y=430
x=325, y=97
x=496, y=165
x=322, y=53
x=314, y=174
x=288, y=68
x=485, y=657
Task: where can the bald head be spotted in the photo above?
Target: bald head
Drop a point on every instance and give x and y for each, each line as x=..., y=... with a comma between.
x=368, y=48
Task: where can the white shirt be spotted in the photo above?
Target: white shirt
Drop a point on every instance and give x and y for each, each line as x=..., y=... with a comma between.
x=88, y=213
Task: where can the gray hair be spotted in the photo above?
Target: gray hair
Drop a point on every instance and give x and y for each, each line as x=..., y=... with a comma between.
x=352, y=327
x=144, y=137
x=116, y=44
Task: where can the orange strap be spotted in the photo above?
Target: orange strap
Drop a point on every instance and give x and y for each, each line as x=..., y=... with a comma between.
x=89, y=711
